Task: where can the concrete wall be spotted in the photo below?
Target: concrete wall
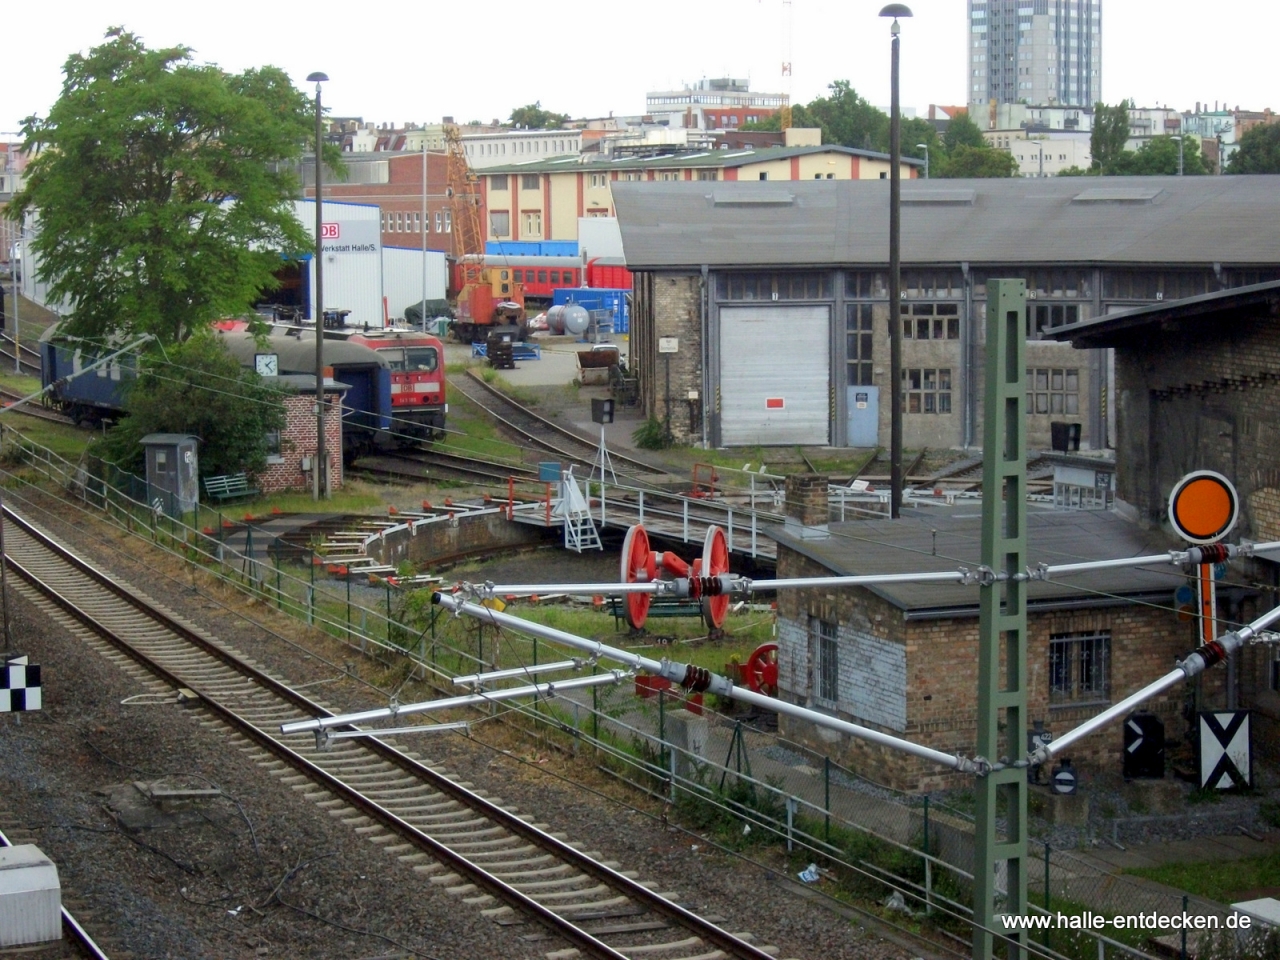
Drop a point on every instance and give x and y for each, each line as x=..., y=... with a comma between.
x=445, y=540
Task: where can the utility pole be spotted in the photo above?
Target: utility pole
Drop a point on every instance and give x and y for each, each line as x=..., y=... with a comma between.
x=1001, y=795
x=320, y=480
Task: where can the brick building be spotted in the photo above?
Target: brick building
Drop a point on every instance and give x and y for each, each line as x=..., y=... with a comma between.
x=903, y=658
x=775, y=296
x=393, y=182
x=295, y=446
x=1198, y=388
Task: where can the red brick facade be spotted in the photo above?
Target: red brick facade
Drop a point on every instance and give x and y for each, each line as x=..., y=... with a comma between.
x=298, y=440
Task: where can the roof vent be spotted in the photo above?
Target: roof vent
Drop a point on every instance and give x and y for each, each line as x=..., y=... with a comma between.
x=1117, y=195
x=949, y=197
x=735, y=198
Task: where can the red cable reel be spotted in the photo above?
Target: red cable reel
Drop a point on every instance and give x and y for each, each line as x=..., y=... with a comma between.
x=761, y=670
x=640, y=564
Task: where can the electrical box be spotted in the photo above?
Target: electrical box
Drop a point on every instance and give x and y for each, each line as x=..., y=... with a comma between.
x=30, y=897
x=173, y=473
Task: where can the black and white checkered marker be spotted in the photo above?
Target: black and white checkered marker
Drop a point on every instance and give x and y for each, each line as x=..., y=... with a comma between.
x=19, y=686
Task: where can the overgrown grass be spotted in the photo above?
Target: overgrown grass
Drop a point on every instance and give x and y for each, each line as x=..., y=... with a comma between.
x=62, y=438
x=1226, y=882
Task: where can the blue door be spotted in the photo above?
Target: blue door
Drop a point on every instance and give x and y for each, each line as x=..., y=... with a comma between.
x=864, y=416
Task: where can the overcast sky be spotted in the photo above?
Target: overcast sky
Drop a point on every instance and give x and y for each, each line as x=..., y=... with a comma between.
x=418, y=61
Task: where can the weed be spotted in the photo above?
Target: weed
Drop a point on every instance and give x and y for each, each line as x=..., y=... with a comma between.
x=652, y=435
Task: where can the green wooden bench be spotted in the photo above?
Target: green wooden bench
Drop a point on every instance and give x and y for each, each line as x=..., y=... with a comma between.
x=658, y=607
x=231, y=486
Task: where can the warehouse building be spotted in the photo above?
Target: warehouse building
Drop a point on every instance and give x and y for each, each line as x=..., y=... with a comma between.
x=761, y=310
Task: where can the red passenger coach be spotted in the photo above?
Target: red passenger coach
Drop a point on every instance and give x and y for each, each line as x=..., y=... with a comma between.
x=418, y=388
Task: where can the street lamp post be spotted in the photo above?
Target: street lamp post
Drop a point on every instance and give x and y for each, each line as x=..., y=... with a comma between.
x=925, y=148
x=1179, y=139
x=896, y=11
x=320, y=478
x=1040, y=144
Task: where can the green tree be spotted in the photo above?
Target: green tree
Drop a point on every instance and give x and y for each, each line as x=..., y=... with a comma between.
x=200, y=389
x=962, y=132
x=1110, y=133
x=979, y=162
x=1159, y=155
x=845, y=118
x=1259, y=151
x=162, y=188
x=533, y=117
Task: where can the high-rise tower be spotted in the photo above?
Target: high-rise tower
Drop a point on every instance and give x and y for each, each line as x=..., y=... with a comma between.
x=1035, y=51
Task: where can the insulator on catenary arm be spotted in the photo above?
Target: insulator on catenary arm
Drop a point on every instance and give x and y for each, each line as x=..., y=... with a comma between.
x=1198, y=661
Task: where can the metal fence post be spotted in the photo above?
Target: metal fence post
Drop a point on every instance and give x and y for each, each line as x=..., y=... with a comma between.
x=926, y=823
x=347, y=577
x=791, y=823
x=1182, y=953
x=641, y=506
x=826, y=797
x=311, y=590
x=387, y=584
x=662, y=727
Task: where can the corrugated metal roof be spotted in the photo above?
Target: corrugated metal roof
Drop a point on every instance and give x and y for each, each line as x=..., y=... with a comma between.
x=1118, y=220
x=907, y=546
x=699, y=158
x=1116, y=328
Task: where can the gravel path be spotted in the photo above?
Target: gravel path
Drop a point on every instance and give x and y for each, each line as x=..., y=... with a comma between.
x=200, y=888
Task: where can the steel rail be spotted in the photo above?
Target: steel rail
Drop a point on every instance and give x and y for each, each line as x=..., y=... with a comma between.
x=560, y=926
x=70, y=925
x=554, y=428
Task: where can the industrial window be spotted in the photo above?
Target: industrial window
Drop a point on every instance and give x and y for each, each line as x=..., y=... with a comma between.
x=932, y=284
x=670, y=176
x=273, y=447
x=858, y=338
x=599, y=179
x=926, y=390
x=417, y=223
x=499, y=223
x=498, y=181
x=773, y=286
x=1042, y=317
x=930, y=321
x=571, y=277
x=825, y=649
x=542, y=276
x=517, y=276
x=531, y=223
x=1079, y=668
x=866, y=285
x=1052, y=390
x=530, y=181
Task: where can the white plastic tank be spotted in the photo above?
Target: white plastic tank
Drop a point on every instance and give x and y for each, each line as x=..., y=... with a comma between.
x=568, y=318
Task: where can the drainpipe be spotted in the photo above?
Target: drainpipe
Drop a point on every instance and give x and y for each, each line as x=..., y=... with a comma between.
x=705, y=352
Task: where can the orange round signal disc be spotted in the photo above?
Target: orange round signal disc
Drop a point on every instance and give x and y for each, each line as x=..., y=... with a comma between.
x=1203, y=507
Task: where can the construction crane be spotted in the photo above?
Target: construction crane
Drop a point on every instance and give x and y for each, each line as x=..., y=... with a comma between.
x=488, y=301
x=785, y=118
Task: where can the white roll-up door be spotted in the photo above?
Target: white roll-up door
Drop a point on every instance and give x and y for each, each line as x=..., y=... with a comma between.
x=774, y=372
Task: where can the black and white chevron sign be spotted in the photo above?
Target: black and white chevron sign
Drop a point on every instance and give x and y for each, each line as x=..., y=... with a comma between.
x=1226, y=757
x=19, y=686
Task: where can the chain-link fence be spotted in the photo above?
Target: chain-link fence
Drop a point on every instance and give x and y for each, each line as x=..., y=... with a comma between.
x=723, y=772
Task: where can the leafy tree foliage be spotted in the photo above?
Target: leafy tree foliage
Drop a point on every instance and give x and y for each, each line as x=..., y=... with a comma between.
x=1110, y=132
x=962, y=132
x=1259, y=151
x=1159, y=155
x=161, y=188
x=979, y=162
x=533, y=117
x=200, y=389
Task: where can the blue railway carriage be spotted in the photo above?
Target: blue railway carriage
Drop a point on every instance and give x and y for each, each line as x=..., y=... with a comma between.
x=92, y=397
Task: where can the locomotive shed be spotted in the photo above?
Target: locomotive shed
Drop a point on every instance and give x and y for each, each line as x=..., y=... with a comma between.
x=139, y=890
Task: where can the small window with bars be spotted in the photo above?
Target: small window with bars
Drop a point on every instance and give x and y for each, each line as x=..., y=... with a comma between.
x=930, y=321
x=824, y=643
x=1079, y=668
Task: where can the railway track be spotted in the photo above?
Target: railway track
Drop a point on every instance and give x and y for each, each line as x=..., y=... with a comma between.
x=30, y=357
x=480, y=851
x=435, y=465
x=541, y=432
x=33, y=409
